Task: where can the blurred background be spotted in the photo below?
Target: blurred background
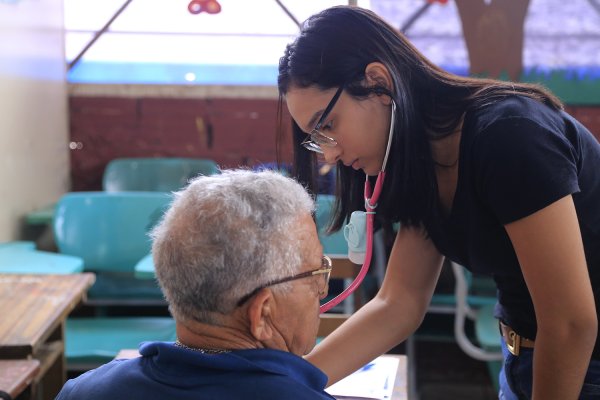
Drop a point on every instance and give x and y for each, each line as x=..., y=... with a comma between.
x=161, y=81
x=84, y=83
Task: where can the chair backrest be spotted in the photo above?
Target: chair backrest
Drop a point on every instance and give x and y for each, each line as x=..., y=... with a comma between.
x=108, y=230
x=330, y=322
x=465, y=306
x=334, y=243
x=154, y=174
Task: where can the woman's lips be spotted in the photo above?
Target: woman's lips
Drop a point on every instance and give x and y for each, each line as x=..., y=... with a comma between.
x=353, y=164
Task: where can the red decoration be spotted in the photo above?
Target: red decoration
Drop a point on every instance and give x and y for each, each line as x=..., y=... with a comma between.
x=437, y=1
x=208, y=6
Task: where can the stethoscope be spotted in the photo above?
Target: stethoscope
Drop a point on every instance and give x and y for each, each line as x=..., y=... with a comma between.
x=361, y=222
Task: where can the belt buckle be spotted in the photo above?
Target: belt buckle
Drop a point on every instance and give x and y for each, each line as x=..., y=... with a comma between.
x=513, y=343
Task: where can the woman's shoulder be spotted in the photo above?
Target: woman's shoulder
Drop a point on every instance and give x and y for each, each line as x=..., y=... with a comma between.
x=510, y=110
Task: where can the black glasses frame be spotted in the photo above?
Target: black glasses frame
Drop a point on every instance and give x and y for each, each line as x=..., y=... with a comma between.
x=316, y=138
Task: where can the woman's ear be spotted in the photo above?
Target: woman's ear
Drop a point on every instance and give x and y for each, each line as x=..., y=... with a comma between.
x=377, y=74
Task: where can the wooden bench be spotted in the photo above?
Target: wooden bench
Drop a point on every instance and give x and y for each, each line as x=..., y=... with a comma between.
x=16, y=377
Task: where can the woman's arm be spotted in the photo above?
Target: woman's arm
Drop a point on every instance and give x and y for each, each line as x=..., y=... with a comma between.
x=550, y=251
x=394, y=314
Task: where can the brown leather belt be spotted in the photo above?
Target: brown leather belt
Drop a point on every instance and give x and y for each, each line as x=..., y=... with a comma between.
x=513, y=340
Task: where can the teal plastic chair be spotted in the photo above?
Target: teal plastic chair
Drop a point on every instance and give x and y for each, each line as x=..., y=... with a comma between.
x=488, y=337
x=17, y=245
x=144, y=269
x=164, y=174
x=21, y=257
x=334, y=243
x=109, y=231
x=475, y=299
x=90, y=342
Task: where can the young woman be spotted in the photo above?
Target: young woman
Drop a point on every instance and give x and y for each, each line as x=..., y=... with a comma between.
x=493, y=175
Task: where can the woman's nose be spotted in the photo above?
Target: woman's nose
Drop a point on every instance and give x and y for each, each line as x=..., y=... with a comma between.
x=331, y=154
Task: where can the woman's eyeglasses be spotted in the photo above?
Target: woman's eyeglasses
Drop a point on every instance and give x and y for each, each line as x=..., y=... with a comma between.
x=323, y=273
x=316, y=139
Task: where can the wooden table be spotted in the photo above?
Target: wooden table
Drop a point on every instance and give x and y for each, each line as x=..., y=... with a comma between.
x=16, y=377
x=34, y=309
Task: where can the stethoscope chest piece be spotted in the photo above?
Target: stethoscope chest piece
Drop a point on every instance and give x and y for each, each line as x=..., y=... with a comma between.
x=355, y=233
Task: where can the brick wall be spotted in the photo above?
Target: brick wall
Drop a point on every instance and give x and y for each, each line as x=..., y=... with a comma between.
x=588, y=116
x=233, y=132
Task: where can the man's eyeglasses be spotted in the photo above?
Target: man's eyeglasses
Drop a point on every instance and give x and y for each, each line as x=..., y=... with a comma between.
x=323, y=273
x=316, y=139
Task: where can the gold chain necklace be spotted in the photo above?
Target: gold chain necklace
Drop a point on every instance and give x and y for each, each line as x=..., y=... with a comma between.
x=199, y=350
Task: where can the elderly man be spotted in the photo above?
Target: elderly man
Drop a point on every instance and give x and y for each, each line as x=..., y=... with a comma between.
x=239, y=261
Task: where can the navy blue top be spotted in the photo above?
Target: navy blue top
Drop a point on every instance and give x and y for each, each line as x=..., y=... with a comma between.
x=518, y=156
x=168, y=372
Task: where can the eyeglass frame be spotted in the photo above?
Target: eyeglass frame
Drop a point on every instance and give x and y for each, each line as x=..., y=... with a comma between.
x=316, y=138
x=326, y=267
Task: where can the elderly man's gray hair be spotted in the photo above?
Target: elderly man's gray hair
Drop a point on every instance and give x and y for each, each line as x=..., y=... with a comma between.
x=223, y=236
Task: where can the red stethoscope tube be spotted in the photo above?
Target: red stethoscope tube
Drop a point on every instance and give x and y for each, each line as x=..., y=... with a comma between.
x=370, y=205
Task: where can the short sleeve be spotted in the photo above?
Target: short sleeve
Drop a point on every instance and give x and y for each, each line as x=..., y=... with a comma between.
x=522, y=167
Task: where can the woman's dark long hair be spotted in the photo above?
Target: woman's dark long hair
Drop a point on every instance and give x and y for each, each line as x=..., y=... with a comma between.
x=333, y=49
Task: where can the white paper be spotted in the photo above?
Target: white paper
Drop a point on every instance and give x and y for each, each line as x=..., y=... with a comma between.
x=373, y=381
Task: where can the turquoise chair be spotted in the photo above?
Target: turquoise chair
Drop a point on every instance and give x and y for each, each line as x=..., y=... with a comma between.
x=161, y=174
x=109, y=231
x=475, y=299
x=90, y=342
x=488, y=337
x=21, y=257
x=18, y=245
x=334, y=243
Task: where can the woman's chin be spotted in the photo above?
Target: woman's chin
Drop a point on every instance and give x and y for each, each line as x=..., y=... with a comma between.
x=371, y=171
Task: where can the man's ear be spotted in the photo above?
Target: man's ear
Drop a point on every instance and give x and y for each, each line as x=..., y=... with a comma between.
x=260, y=313
x=377, y=74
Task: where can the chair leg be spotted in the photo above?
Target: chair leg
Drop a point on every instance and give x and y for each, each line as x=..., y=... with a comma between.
x=411, y=348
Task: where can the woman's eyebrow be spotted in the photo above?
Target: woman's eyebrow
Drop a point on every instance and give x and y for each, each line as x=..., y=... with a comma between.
x=313, y=120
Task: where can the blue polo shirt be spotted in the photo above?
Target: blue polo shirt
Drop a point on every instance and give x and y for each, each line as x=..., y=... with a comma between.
x=168, y=372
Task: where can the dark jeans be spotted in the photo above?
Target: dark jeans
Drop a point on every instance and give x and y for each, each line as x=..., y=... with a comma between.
x=516, y=377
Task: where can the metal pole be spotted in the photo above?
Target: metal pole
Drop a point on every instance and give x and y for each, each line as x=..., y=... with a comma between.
x=289, y=14
x=98, y=34
x=413, y=18
x=595, y=4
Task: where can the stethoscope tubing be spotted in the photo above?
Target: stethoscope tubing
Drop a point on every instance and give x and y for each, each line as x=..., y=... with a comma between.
x=370, y=205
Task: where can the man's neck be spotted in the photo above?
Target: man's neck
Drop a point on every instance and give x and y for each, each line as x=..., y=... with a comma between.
x=200, y=335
